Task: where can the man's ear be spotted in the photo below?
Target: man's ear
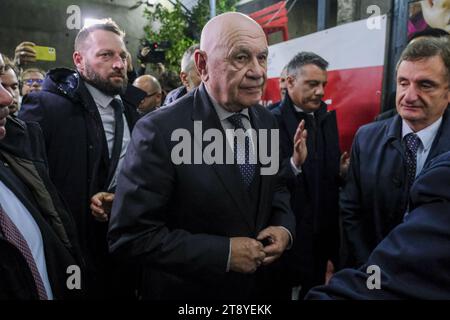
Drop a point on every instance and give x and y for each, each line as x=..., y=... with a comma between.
x=290, y=82
x=183, y=77
x=78, y=61
x=159, y=98
x=201, y=65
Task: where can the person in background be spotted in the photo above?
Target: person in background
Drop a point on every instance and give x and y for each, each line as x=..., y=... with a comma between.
x=152, y=88
x=32, y=79
x=38, y=242
x=282, y=85
x=11, y=83
x=189, y=76
x=86, y=118
x=388, y=155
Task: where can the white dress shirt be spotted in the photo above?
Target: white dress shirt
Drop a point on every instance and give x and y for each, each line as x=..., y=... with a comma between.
x=426, y=137
x=24, y=221
x=107, y=115
x=226, y=125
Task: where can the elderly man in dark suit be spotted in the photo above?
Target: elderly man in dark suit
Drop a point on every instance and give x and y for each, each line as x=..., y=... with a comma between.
x=412, y=262
x=388, y=155
x=207, y=230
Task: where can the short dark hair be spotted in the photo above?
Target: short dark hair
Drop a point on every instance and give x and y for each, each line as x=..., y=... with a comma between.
x=303, y=58
x=429, y=32
x=30, y=70
x=427, y=48
x=104, y=24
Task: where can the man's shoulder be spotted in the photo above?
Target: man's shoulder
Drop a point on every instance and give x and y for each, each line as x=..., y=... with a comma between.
x=377, y=127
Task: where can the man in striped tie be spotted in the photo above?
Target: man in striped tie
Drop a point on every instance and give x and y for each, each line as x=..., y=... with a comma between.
x=37, y=240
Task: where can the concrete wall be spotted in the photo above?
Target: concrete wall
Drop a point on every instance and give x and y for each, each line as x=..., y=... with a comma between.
x=44, y=22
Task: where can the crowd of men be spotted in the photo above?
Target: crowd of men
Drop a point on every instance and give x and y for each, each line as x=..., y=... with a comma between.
x=89, y=177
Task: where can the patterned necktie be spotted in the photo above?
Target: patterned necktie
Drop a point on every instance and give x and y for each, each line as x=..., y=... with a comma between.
x=242, y=155
x=13, y=235
x=412, y=142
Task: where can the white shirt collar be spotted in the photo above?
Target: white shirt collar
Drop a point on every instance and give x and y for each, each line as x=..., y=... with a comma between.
x=425, y=135
x=101, y=99
x=298, y=109
x=221, y=112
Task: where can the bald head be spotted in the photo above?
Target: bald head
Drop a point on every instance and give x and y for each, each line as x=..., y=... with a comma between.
x=151, y=86
x=221, y=28
x=232, y=60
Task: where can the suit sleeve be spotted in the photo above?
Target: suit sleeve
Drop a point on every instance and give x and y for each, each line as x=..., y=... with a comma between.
x=33, y=110
x=282, y=214
x=413, y=261
x=350, y=203
x=138, y=226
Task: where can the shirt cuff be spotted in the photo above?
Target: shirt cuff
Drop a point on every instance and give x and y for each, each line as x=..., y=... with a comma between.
x=296, y=170
x=229, y=258
x=291, y=239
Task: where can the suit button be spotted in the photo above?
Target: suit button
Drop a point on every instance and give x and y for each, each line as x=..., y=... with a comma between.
x=91, y=147
x=5, y=164
x=397, y=182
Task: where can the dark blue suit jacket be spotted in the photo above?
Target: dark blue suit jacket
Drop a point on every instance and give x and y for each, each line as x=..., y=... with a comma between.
x=314, y=196
x=375, y=197
x=414, y=258
x=178, y=218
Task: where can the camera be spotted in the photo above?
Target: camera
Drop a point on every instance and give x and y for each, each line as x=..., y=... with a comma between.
x=153, y=52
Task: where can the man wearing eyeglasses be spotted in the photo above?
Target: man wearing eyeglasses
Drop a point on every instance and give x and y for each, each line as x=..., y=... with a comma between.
x=152, y=100
x=32, y=80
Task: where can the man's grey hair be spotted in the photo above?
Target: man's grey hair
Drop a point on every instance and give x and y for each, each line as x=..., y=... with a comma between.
x=424, y=48
x=304, y=58
x=187, y=62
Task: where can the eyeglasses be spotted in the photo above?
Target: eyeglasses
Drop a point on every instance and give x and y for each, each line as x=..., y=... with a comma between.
x=151, y=95
x=30, y=82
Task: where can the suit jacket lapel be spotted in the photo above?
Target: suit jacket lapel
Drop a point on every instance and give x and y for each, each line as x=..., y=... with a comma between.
x=258, y=124
x=228, y=174
x=441, y=142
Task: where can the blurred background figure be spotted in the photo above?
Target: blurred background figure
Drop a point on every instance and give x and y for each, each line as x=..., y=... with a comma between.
x=437, y=13
x=32, y=80
x=24, y=53
x=282, y=84
x=10, y=82
x=152, y=100
x=189, y=76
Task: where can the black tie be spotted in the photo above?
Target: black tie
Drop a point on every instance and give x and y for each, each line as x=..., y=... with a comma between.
x=242, y=159
x=412, y=142
x=117, y=105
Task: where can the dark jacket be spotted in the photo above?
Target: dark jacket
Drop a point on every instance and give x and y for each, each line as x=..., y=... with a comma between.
x=414, y=258
x=27, y=177
x=174, y=95
x=314, y=195
x=178, y=218
x=76, y=149
x=374, y=199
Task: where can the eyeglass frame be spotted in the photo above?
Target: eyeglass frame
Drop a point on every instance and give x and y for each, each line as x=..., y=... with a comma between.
x=30, y=82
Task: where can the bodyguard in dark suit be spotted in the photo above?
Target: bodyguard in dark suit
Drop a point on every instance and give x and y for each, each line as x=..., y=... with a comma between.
x=414, y=258
x=388, y=155
x=315, y=188
x=199, y=228
x=38, y=242
x=87, y=118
